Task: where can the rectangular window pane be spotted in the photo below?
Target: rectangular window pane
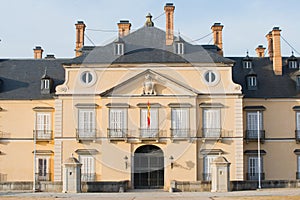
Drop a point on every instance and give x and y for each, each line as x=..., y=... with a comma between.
x=153, y=118
x=252, y=121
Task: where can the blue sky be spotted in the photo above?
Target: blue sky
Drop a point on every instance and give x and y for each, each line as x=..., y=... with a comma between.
x=50, y=24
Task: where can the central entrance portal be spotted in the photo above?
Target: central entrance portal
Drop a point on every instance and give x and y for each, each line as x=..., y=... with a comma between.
x=148, y=167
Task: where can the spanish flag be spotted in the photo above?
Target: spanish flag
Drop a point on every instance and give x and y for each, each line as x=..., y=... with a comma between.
x=148, y=114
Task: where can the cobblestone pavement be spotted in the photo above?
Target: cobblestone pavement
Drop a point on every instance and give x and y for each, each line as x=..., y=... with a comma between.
x=265, y=194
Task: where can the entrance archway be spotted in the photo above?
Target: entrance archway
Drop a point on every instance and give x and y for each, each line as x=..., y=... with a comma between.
x=148, y=169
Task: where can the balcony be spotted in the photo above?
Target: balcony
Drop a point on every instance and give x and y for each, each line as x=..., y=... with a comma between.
x=117, y=134
x=42, y=176
x=211, y=133
x=254, y=176
x=206, y=176
x=149, y=134
x=180, y=134
x=251, y=135
x=86, y=134
x=86, y=177
x=42, y=135
x=297, y=135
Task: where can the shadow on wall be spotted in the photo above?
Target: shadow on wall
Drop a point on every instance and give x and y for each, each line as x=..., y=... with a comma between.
x=188, y=165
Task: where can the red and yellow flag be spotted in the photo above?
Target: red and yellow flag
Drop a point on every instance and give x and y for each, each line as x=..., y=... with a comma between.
x=148, y=115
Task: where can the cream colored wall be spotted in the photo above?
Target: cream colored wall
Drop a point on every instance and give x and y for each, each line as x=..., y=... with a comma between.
x=279, y=121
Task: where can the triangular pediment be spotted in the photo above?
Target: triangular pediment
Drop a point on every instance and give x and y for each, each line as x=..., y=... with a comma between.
x=150, y=83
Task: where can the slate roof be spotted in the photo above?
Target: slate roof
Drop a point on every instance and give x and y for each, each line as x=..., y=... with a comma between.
x=269, y=85
x=144, y=45
x=21, y=77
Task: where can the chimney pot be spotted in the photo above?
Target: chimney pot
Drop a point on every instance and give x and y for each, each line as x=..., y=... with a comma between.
x=38, y=52
x=50, y=56
x=124, y=28
x=277, y=59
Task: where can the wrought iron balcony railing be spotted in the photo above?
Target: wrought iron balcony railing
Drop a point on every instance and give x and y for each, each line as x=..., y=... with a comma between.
x=42, y=176
x=180, y=133
x=149, y=133
x=43, y=135
x=86, y=134
x=211, y=132
x=252, y=135
x=117, y=133
x=254, y=176
x=86, y=177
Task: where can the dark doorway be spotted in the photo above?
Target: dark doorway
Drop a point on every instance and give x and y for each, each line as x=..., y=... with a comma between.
x=148, y=167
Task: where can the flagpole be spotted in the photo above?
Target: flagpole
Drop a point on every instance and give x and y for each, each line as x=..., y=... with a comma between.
x=34, y=160
x=258, y=151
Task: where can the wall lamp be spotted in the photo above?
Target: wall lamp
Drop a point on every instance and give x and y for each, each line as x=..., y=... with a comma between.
x=172, y=161
x=126, y=162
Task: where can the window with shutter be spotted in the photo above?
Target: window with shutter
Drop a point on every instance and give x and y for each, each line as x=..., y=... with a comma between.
x=117, y=122
x=253, y=168
x=43, y=125
x=87, y=168
x=152, y=130
x=180, y=122
x=252, y=124
x=212, y=122
x=42, y=170
x=207, y=166
x=86, y=123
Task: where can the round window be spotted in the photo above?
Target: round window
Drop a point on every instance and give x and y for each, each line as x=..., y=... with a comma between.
x=211, y=77
x=88, y=78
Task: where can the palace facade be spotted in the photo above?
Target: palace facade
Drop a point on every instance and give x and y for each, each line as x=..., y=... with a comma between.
x=150, y=108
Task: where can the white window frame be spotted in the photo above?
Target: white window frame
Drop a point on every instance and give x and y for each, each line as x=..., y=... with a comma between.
x=253, y=169
x=45, y=172
x=293, y=64
x=207, y=161
x=252, y=81
x=252, y=121
x=87, y=168
x=119, y=49
x=45, y=84
x=151, y=131
x=212, y=122
x=180, y=121
x=247, y=64
x=180, y=48
x=117, y=122
x=298, y=163
x=86, y=122
x=43, y=125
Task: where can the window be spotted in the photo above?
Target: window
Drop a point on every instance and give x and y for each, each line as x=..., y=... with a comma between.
x=42, y=168
x=149, y=129
x=45, y=84
x=298, y=80
x=247, y=64
x=251, y=82
x=117, y=122
x=210, y=77
x=298, y=167
x=293, y=64
x=87, y=168
x=43, y=125
x=298, y=125
x=252, y=125
x=253, y=168
x=86, y=77
x=207, y=166
x=180, y=48
x=86, y=123
x=180, y=122
x=119, y=49
x=212, y=122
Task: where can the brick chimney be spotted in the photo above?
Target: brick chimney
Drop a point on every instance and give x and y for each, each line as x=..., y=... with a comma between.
x=169, y=10
x=124, y=28
x=270, y=45
x=260, y=51
x=277, y=59
x=217, y=34
x=38, y=52
x=80, y=28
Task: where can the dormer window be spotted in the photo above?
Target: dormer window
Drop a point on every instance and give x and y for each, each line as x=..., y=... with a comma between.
x=46, y=84
x=247, y=62
x=252, y=82
x=179, y=48
x=292, y=62
x=119, y=49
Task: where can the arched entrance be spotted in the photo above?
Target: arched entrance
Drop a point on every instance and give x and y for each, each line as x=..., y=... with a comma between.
x=148, y=169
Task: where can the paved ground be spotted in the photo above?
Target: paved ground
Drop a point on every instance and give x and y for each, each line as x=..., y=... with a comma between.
x=265, y=194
